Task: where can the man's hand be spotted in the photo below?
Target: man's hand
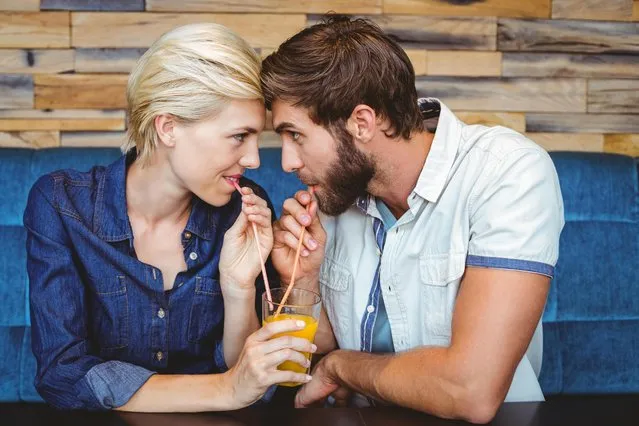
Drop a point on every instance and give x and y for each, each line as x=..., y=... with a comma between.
x=319, y=388
x=287, y=231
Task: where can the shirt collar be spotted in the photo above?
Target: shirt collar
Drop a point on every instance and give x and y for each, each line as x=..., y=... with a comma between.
x=443, y=150
x=111, y=220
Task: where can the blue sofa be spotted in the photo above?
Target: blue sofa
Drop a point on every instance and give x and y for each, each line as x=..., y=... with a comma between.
x=591, y=321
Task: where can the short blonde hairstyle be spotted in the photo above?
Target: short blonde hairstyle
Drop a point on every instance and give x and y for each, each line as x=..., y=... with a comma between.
x=191, y=73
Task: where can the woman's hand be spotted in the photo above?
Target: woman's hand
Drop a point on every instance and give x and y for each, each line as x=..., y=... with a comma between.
x=256, y=369
x=240, y=260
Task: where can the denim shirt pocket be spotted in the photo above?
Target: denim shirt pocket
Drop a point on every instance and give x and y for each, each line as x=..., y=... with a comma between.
x=207, y=311
x=440, y=275
x=111, y=314
x=335, y=283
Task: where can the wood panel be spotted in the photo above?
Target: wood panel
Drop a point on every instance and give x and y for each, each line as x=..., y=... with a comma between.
x=570, y=65
x=515, y=9
x=267, y=6
x=128, y=5
x=635, y=10
x=107, y=60
x=95, y=29
x=613, y=96
x=61, y=124
x=92, y=139
x=20, y=5
x=418, y=59
x=582, y=123
x=270, y=139
x=29, y=139
x=16, y=91
x=567, y=36
x=422, y=32
x=569, y=141
x=470, y=64
x=599, y=10
x=513, y=120
x=493, y=94
x=27, y=61
x=622, y=144
x=34, y=30
x=92, y=91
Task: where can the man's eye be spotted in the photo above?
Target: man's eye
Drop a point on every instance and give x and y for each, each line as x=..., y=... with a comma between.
x=295, y=136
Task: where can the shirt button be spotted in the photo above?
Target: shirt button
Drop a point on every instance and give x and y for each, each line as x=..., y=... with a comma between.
x=193, y=255
x=161, y=313
x=159, y=355
x=379, y=252
x=370, y=309
x=187, y=235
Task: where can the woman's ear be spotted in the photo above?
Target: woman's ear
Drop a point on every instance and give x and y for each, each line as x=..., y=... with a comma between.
x=165, y=128
x=362, y=122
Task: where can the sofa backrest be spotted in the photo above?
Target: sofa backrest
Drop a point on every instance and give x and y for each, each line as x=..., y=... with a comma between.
x=591, y=321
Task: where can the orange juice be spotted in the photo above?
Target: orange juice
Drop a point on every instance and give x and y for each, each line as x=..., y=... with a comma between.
x=307, y=333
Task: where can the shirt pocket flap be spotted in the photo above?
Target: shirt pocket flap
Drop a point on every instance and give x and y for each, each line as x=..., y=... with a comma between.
x=335, y=276
x=440, y=269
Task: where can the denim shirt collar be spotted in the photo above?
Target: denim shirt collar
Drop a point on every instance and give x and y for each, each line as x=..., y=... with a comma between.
x=111, y=221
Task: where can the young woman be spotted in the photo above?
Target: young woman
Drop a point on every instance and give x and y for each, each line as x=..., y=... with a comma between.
x=143, y=273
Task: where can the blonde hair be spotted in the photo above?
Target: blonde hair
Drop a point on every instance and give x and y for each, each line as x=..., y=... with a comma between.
x=191, y=73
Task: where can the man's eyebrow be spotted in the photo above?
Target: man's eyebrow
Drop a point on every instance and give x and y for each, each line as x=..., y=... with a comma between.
x=282, y=126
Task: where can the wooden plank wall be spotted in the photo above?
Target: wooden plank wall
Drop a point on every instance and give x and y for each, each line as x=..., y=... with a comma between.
x=564, y=72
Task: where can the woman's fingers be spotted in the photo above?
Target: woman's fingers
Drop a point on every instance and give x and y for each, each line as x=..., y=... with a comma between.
x=274, y=359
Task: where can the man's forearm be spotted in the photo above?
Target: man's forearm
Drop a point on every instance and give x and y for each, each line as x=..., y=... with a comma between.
x=240, y=321
x=425, y=379
x=182, y=393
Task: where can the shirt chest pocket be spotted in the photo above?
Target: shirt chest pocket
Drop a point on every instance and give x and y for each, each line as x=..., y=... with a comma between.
x=336, y=287
x=207, y=311
x=110, y=312
x=440, y=276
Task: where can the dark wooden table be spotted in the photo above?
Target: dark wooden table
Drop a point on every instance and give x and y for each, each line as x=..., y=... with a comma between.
x=620, y=410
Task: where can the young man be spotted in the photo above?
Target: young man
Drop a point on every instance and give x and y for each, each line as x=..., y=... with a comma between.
x=437, y=240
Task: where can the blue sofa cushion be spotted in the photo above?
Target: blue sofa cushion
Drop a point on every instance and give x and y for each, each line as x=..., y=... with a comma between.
x=11, y=339
x=13, y=276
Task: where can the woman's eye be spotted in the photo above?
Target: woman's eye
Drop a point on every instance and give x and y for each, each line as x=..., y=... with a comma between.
x=240, y=137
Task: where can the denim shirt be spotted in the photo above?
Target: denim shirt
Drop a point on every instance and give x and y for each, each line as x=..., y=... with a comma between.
x=102, y=323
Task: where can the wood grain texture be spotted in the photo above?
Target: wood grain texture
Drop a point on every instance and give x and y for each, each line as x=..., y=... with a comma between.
x=469, y=64
x=96, y=29
x=92, y=91
x=570, y=65
x=61, y=124
x=582, y=123
x=418, y=59
x=27, y=61
x=270, y=139
x=29, y=139
x=106, y=60
x=493, y=94
x=510, y=8
x=16, y=91
x=422, y=32
x=599, y=10
x=92, y=139
x=104, y=5
x=267, y=6
x=622, y=144
x=635, y=10
x=567, y=36
x=20, y=5
x=512, y=120
x=613, y=96
x=569, y=141
x=34, y=30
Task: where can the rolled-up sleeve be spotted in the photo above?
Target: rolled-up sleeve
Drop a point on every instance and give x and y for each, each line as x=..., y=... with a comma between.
x=68, y=376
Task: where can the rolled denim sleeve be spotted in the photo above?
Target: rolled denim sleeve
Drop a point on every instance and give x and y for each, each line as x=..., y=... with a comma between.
x=68, y=376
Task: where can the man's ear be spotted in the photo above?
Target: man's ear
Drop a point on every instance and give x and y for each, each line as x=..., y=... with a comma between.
x=165, y=128
x=362, y=123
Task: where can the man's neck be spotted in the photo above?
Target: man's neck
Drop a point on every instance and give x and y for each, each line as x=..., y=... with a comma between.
x=400, y=163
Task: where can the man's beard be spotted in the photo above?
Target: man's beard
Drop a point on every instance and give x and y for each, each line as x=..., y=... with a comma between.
x=347, y=177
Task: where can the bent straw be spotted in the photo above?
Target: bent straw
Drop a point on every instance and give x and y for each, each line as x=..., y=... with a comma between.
x=259, y=251
x=295, y=262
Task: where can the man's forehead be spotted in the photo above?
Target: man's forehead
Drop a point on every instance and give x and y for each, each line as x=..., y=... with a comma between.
x=286, y=113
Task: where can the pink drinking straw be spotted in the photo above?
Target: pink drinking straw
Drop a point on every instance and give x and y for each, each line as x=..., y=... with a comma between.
x=259, y=251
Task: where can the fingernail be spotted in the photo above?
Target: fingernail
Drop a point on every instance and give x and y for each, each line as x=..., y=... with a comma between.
x=307, y=363
x=309, y=378
x=306, y=219
x=306, y=197
x=300, y=324
x=313, y=348
x=305, y=253
x=312, y=243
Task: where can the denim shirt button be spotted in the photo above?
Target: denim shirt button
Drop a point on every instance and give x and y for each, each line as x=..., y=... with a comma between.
x=193, y=255
x=159, y=355
x=161, y=313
